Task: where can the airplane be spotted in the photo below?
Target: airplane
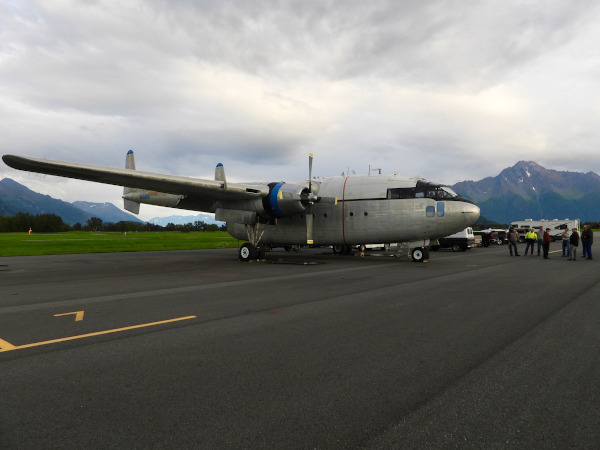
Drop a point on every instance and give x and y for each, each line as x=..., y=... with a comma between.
x=340, y=211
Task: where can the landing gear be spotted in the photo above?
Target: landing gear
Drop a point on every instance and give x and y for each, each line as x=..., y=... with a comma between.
x=420, y=254
x=343, y=249
x=248, y=252
x=252, y=250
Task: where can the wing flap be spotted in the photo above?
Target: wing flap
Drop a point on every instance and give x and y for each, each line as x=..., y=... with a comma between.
x=136, y=179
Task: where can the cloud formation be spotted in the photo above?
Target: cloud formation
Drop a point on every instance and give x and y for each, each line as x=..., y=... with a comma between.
x=449, y=90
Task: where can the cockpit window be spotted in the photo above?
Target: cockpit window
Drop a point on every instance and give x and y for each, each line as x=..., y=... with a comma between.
x=429, y=191
x=449, y=193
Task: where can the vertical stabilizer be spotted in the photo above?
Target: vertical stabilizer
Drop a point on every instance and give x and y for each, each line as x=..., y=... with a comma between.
x=130, y=160
x=220, y=174
x=130, y=205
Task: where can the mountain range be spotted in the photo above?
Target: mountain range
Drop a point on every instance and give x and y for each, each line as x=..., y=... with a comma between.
x=15, y=197
x=530, y=191
x=523, y=191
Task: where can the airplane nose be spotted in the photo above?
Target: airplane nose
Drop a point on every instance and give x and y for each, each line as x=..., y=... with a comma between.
x=471, y=213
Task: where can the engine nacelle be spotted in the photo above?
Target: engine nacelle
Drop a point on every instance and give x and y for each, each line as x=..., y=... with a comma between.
x=286, y=199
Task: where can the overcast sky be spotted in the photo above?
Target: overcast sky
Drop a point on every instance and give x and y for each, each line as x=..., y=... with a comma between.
x=447, y=90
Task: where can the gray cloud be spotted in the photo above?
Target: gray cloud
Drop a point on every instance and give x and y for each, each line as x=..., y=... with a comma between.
x=449, y=90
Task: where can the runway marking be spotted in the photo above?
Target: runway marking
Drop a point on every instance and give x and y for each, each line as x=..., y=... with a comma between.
x=78, y=315
x=6, y=346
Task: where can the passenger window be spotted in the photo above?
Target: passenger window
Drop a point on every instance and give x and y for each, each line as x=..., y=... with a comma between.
x=430, y=211
x=440, y=209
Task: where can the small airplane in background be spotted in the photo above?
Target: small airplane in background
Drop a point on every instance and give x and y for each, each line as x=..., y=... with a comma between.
x=342, y=211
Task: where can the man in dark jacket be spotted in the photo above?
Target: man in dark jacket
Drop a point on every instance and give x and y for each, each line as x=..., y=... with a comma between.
x=546, y=239
x=513, y=238
x=573, y=244
x=587, y=239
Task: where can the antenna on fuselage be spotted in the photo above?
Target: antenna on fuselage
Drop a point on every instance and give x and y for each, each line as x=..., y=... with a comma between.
x=373, y=170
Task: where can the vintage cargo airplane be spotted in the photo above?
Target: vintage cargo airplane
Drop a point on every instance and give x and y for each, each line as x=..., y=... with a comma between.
x=342, y=211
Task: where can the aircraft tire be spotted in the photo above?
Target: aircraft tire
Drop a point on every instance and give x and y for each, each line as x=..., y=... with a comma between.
x=261, y=252
x=247, y=252
x=418, y=254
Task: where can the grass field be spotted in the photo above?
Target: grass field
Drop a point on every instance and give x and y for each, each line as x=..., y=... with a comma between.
x=23, y=244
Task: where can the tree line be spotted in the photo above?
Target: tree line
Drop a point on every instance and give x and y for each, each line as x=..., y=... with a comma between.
x=51, y=223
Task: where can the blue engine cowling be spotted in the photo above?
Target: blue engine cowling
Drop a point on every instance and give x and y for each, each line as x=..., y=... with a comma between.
x=286, y=199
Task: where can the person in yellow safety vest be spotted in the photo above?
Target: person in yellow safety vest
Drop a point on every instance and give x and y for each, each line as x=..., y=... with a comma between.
x=530, y=239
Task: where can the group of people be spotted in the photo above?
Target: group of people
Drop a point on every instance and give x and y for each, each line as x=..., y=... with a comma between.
x=570, y=242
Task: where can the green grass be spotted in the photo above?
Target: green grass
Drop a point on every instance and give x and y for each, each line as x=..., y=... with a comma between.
x=23, y=244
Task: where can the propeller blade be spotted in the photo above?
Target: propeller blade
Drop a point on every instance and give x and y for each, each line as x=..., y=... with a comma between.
x=310, y=160
x=309, y=226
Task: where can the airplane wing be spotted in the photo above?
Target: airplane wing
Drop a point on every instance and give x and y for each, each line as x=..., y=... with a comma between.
x=192, y=187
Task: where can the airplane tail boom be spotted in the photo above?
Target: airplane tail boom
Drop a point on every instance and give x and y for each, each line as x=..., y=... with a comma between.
x=130, y=205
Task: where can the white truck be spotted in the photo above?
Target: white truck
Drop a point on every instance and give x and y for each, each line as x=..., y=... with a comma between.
x=459, y=242
x=556, y=226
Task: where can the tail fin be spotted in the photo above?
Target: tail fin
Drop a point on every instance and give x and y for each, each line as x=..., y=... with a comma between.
x=220, y=174
x=130, y=205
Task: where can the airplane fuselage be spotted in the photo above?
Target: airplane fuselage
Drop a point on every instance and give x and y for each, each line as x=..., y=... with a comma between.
x=369, y=210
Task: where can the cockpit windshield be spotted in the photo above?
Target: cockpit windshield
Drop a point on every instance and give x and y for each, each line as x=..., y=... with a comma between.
x=448, y=193
x=425, y=189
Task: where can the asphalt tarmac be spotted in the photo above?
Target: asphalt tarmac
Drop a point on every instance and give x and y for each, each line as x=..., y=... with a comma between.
x=194, y=349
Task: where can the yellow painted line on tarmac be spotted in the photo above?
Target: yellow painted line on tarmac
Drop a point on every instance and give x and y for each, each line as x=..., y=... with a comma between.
x=78, y=315
x=5, y=346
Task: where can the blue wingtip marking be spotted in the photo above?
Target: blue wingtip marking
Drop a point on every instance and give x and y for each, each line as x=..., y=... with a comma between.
x=220, y=165
x=130, y=152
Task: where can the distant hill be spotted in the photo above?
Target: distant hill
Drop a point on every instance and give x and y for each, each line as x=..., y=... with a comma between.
x=182, y=220
x=15, y=197
x=106, y=211
x=530, y=191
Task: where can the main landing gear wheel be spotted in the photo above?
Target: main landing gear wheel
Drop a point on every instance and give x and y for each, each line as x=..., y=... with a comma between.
x=247, y=252
x=419, y=254
x=343, y=249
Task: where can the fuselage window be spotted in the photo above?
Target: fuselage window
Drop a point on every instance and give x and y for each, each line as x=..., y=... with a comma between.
x=441, y=209
x=430, y=211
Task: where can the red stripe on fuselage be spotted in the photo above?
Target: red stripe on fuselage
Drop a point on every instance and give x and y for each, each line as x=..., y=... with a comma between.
x=343, y=211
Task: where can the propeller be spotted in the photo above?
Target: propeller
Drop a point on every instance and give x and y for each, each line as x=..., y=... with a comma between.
x=311, y=199
x=309, y=206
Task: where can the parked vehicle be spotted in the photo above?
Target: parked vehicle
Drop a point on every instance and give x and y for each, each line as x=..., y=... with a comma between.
x=499, y=236
x=491, y=236
x=458, y=242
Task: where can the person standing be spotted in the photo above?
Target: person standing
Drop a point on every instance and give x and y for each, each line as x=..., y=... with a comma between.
x=587, y=239
x=546, y=239
x=513, y=238
x=573, y=244
x=565, y=242
x=530, y=238
x=540, y=239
